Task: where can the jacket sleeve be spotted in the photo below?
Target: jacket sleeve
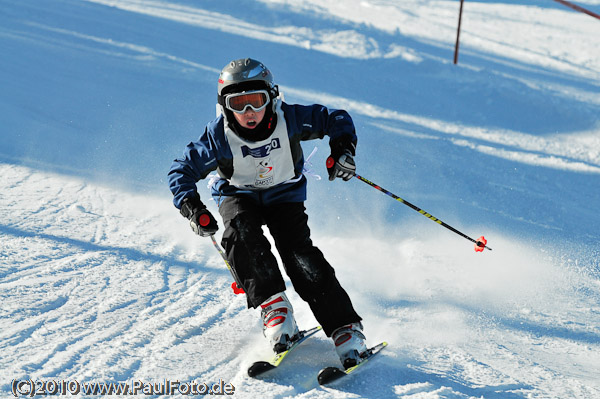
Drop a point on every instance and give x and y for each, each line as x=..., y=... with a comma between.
x=316, y=121
x=198, y=160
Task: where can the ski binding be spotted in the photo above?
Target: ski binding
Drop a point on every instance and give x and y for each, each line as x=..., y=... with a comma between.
x=331, y=374
x=260, y=367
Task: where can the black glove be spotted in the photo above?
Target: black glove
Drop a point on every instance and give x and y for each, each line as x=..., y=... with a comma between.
x=201, y=220
x=343, y=166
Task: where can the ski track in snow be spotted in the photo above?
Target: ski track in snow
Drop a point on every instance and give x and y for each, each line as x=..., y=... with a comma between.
x=88, y=289
x=101, y=284
x=94, y=292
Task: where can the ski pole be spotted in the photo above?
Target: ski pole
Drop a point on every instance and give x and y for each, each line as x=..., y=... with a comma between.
x=234, y=286
x=480, y=243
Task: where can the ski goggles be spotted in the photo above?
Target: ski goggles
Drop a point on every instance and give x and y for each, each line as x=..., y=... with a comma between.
x=239, y=102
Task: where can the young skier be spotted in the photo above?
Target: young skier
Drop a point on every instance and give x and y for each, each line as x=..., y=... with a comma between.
x=255, y=147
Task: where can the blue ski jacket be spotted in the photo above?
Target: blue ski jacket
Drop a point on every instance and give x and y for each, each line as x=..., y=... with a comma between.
x=213, y=151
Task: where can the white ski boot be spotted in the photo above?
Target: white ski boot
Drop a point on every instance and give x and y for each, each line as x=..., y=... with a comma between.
x=279, y=325
x=349, y=344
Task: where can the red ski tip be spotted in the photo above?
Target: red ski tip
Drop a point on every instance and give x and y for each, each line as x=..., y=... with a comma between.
x=237, y=290
x=480, y=244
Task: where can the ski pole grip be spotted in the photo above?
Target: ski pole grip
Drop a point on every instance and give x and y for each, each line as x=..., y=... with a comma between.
x=204, y=220
x=330, y=162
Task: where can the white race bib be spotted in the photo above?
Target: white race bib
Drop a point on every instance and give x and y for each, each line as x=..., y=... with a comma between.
x=262, y=164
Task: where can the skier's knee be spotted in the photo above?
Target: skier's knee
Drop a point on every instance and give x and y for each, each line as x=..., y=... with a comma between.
x=311, y=271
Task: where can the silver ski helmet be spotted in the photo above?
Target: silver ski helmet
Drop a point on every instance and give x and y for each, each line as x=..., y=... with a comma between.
x=243, y=75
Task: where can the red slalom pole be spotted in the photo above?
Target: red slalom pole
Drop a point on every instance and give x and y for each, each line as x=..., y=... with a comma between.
x=578, y=8
x=480, y=243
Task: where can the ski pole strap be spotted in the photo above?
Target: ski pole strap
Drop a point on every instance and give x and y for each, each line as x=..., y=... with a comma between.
x=480, y=243
x=234, y=286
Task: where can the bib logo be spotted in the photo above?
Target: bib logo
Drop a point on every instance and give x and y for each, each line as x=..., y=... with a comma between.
x=264, y=173
x=261, y=152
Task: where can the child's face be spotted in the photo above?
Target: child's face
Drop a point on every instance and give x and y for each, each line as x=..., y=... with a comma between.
x=249, y=119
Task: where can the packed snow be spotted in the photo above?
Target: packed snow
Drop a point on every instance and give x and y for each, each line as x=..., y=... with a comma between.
x=101, y=279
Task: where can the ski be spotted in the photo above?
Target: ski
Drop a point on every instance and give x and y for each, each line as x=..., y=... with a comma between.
x=331, y=374
x=260, y=367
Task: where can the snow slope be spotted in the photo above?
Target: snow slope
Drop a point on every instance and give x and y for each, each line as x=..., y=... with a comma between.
x=102, y=280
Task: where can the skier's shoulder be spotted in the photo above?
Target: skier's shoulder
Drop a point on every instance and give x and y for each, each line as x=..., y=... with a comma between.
x=308, y=111
x=299, y=109
x=300, y=114
x=215, y=128
x=213, y=135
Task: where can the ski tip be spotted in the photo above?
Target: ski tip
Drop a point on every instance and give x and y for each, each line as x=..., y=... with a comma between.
x=259, y=368
x=329, y=375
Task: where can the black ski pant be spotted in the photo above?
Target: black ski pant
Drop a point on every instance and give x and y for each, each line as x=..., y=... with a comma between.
x=256, y=269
